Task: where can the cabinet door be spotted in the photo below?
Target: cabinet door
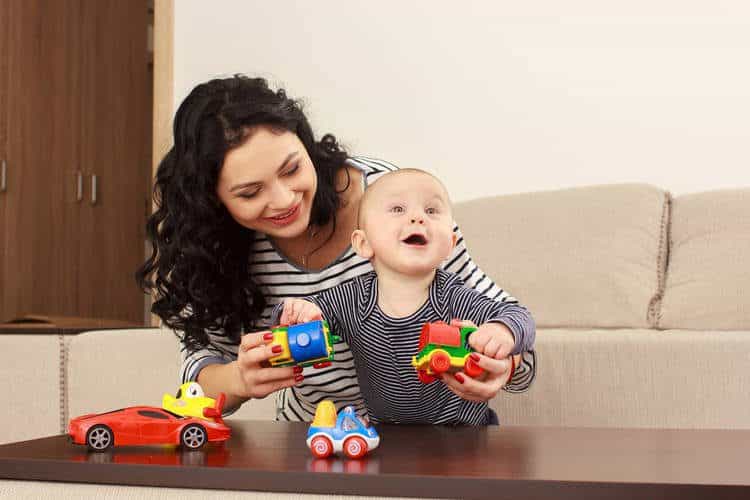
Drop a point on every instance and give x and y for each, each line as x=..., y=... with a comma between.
x=115, y=148
x=42, y=108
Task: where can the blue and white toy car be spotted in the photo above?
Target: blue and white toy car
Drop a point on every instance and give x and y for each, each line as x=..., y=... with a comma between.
x=347, y=432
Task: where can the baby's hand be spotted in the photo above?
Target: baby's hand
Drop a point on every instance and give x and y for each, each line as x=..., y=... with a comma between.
x=494, y=340
x=299, y=311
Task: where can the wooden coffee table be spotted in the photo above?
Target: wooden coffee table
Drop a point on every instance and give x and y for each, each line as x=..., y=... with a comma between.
x=416, y=461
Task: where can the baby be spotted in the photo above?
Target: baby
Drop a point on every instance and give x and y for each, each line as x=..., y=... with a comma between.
x=405, y=229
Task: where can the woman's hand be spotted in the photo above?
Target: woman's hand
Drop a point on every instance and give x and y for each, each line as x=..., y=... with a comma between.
x=254, y=379
x=487, y=385
x=299, y=311
x=493, y=343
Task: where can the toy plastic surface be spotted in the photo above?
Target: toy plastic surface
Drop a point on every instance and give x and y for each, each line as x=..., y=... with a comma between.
x=349, y=433
x=190, y=401
x=444, y=348
x=149, y=425
x=304, y=344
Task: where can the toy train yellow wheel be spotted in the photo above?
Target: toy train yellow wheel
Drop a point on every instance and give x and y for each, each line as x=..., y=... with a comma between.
x=355, y=447
x=440, y=362
x=321, y=447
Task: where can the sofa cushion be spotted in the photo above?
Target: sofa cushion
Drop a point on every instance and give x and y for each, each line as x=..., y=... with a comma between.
x=635, y=378
x=709, y=262
x=582, y=257
x=30, y=372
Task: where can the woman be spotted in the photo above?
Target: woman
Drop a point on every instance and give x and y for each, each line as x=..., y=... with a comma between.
x=251, y=210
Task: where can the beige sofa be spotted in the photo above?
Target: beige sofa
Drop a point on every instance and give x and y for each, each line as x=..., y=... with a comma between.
x=640, y=301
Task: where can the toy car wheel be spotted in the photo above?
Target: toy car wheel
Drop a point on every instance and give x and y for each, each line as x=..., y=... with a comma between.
x=425, y=377
x=100, y=438
x=471, y=368
x=321, y=447
x=193, y=437
x=355, y=447
x=440, y=362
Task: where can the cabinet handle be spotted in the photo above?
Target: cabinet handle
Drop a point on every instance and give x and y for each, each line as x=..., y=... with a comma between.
x=93, y=189
x=4, y=177
x=79, y=186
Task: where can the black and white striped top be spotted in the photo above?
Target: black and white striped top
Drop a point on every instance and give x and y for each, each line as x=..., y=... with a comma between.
x=280, y=279
x=383, y=346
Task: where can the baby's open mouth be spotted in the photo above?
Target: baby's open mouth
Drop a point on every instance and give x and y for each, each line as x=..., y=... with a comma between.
x=415, y=239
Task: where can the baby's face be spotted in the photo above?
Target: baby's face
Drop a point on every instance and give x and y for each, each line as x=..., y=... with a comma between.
x=408, y=223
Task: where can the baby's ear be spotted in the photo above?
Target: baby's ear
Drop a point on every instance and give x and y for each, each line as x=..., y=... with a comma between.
x=360, y=244
x=454, y=239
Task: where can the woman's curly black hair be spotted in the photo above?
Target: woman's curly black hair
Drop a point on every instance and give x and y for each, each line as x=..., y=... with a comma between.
x=198, y=269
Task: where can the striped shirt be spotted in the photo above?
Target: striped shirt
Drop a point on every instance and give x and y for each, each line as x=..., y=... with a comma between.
x=279, y=279
x=383, y=346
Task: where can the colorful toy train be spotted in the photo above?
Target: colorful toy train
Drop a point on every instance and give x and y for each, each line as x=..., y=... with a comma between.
x=304, y=344
x=444, y=348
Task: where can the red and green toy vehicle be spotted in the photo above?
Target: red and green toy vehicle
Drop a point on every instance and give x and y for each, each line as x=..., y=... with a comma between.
x=304, y=344
x=444, y=348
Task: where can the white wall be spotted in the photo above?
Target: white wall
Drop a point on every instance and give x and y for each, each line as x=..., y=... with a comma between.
x=501, y=96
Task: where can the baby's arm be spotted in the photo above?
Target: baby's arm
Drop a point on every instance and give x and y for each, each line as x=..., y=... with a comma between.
x=493, y=339
x=504, y=328
x=330, y=305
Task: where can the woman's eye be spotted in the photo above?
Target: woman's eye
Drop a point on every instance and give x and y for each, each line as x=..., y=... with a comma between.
x=397, y=209
x=431, y=211
x=248, y=195
x=292, y=170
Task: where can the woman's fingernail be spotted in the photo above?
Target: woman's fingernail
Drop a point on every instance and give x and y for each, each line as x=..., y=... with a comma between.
x=268, y=336
x=297, y=369
x=299, y=378
x=475, y=356
x=459, y=377
x=276, y=349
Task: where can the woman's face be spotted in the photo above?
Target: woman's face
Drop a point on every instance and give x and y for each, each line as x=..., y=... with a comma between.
x=268, y=183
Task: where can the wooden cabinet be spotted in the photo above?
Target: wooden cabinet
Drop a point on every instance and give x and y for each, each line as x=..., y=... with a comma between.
x=75, y=130
x=4, y=9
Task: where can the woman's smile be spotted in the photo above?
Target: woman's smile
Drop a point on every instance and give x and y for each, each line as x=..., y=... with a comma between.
x=286, y=218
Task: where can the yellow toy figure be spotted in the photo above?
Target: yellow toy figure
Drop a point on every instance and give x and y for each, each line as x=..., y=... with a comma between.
x=325, y=414
x=190, y=401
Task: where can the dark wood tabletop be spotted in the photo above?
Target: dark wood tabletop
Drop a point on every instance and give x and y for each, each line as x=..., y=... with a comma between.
x=416, y=461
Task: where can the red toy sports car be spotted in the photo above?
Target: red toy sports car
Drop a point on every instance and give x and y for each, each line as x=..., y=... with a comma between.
x=145, y=425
